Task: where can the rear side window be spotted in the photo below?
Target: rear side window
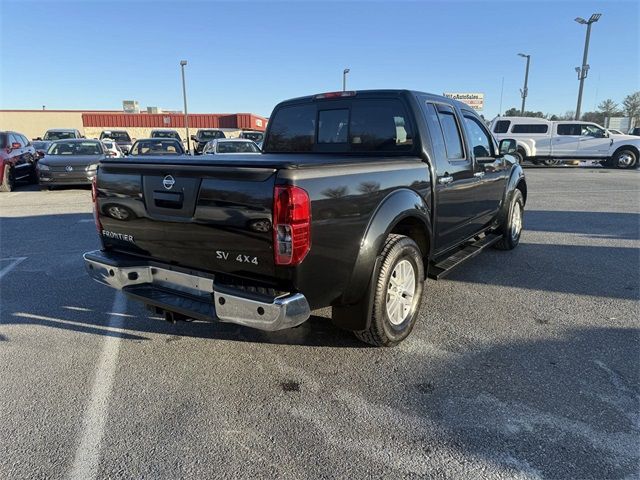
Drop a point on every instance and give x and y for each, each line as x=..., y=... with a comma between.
x=530, y=128
x=293, y=129
x=570, y=129
x=502, y=126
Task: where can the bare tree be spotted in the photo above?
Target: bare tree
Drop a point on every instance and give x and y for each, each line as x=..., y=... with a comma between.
x=608, y=107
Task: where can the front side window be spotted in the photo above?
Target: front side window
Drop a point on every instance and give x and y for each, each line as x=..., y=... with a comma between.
x=478, y=137
x=502, y=126
x=530, y=128
x=333, y=126
x=293, y=129
x=569, y=129
x=592, y=131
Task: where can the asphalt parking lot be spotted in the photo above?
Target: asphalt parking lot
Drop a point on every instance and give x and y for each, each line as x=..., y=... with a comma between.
x=525, y=364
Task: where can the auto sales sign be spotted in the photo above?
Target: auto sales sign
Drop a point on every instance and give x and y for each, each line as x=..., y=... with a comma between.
x=474, y=100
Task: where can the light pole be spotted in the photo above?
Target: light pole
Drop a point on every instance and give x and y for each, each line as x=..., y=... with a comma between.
x=344, y=79
x=186, y=114
x=524, y=91
x=584, y=70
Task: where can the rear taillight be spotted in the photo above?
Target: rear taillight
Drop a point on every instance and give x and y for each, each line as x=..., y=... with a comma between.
x=291, y=224
x=329, y=95
x=94, y=198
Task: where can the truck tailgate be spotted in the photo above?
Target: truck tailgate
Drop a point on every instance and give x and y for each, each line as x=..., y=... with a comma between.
x=208, y=217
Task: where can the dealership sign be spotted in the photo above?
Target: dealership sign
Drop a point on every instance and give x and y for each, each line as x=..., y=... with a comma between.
x=474, y=100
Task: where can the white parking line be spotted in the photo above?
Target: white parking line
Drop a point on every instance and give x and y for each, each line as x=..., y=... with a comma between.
x=87, y=458
x=86, y=220
x=11, y=266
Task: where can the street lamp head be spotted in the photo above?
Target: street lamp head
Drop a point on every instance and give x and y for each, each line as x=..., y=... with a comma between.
x=346, y=70
x=183, y=63
x=595, y=17
x=524, y=55
x=581, y=20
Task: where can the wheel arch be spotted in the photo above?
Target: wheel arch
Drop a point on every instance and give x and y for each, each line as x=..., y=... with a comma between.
x=402, y=211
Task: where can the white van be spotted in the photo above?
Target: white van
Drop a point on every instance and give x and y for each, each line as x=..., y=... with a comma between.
x=548, y=142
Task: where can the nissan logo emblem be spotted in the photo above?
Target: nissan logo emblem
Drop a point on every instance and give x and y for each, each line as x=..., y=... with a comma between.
x=69, y=168
x=168, y=182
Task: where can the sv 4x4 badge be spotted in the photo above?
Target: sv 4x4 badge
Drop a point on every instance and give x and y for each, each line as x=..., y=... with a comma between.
x=222, y=255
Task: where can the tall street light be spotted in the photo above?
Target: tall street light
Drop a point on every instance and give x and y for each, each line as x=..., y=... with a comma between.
x=186, y=114
x=524, y=91
x=584, y=70
x=344, y=79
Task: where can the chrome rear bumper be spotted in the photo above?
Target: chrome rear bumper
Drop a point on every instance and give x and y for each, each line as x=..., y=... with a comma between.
x=195, y=294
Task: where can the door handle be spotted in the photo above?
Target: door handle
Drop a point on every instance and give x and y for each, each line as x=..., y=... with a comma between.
x=445, y=180
x=478, y=174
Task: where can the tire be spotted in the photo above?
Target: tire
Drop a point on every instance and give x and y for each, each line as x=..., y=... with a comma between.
x=395, y=311
x=511, y=228
x=549, y=162
x=625, y=158
x=8, y=180
x=520, y=156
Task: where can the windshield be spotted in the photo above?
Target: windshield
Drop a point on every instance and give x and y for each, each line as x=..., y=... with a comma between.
x=117, y=136
x=162, y=134
x=58, y=135
x=210, y=134
x=255, y=136
x=237, y=147
x=75, y=148
x=157, y=147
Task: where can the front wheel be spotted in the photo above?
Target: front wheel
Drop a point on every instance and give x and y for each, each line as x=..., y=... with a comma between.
x=625, y=158
x=520, y=156
x=397, y=293
x=511, y=227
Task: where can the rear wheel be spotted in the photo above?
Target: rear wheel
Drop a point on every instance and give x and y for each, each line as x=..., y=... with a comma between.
x=397, y=293
x=512, y=224
x=8, y=180
x=624, y=158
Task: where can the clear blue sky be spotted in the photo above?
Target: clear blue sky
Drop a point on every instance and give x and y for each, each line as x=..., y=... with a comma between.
x=247, y=56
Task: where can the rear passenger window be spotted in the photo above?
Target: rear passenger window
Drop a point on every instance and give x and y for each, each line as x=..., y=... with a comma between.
x=530, y=128
x=570, y=129
x=450, y=132
x=502, y=126
x=293, y=129
x=379, y=126
x=333, y=126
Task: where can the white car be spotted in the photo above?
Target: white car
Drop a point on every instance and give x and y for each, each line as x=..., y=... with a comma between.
x=546, y=141
x=231, y=146
x=614, y=131
x=111, y=148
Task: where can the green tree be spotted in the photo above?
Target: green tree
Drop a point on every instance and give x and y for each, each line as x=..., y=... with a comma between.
x=595, y=117
x=631, y=105
x=515, y=112
x=608, y=108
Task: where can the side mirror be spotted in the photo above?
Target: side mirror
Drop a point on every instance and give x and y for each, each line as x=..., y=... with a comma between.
x=193, y=137
x=508, y=146
x=37, y=138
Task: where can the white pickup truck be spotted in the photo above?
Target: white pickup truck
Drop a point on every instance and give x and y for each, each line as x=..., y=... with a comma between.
x=544, y=141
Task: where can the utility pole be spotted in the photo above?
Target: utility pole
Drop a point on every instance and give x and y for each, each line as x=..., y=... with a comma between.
x=584, y=70
x=525, y=91
x=186, y=114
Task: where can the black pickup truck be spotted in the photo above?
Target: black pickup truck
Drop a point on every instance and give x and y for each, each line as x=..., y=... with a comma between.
x=357, y=198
